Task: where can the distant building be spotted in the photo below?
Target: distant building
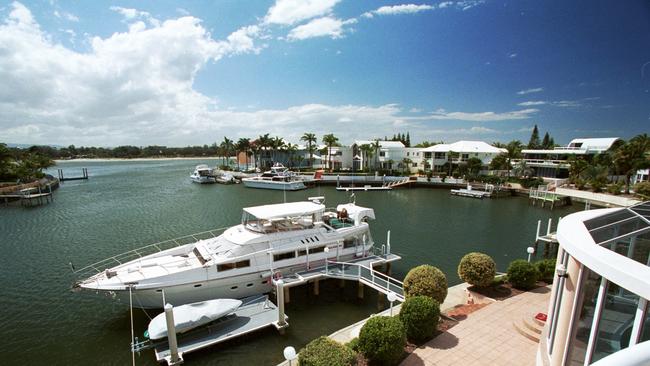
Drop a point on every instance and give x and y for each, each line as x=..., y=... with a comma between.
x=641, y=176
x=459, y=152
x=554, y=163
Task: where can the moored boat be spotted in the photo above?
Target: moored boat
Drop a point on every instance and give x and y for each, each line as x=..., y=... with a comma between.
x=202, y=174
x=279, y=177
x=271, y=240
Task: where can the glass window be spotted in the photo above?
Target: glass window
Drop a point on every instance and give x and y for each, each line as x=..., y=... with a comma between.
x=645, y=326
x=283, y=256
x=440, y=155
x=616, y=320
x=578, y=344
x=242, y=264
x=225, y=267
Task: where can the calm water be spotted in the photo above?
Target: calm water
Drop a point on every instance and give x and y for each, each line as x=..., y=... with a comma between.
x=126, y=205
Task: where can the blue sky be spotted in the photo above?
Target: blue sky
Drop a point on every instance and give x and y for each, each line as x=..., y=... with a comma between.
x=179, y=73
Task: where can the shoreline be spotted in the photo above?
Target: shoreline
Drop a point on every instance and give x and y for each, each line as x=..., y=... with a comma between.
x=83, y=160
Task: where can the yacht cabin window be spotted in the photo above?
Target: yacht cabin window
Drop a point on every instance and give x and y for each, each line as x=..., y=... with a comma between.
x=228, y=266
x=298, y=222
x=283, y=256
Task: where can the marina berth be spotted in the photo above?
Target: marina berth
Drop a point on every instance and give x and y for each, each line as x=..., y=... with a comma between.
x=272, y=241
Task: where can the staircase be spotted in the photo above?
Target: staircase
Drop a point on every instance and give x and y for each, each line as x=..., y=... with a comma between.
x=367, y=276
x=398, y=183
x=530, y=326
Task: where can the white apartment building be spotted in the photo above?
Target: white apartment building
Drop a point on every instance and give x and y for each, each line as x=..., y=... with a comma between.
x=459, y=152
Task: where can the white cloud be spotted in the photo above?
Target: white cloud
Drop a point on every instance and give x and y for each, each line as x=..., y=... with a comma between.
x=445, y=4
x=130, y=14
x=321, y=27
x=512, y=55
x=468, y=4
x=567, y=103
x=441, y=114
x=65, y=15
x=530, y=91
x=289, y=12
x=398, y=9
x=532, y=102
x=132, y=86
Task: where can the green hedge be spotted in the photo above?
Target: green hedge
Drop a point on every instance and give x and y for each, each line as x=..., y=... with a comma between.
x=426, y=280
x=522, y=274
x=477, y=269
x=324, y=351
x=546, y=269
x=382, y=340
x=420, y=316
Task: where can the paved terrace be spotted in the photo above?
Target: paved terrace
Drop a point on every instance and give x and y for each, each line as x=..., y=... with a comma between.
x=487, y=336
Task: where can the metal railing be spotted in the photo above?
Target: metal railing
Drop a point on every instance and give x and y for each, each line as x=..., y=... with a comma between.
x=100, y=266
x=366, y=275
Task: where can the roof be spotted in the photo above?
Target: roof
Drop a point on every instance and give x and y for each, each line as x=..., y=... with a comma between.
x=601, y=144
x=465, y=147
x=284, y=210
x=384, y=144
x=617, y=225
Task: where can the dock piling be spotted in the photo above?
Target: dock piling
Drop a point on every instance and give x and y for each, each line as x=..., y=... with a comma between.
x=174, y=358
x=282, y=322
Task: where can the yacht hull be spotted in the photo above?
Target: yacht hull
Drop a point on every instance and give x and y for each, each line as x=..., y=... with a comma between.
x=203, y=179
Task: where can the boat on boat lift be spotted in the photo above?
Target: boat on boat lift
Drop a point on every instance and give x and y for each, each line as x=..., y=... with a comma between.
x=271, y=241
x=279, y=177
x=202, y=174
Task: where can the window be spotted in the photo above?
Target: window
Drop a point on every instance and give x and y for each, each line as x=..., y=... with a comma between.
x=427, y=155
x=440, y=155
x=407, y=153
x=283, y=256
x=349, y=243
x=382, y=153
x=464, y=157
x=415, y=165
x=317, y=249
x=228, y=266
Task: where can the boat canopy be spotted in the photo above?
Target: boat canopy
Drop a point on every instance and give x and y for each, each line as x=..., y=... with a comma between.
x=282, y=210
x=356, y=213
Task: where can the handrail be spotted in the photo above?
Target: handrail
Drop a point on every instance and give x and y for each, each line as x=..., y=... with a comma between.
x=374, y=276
x=102, y=265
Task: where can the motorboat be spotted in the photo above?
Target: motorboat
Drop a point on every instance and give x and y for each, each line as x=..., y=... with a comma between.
x=202, y=174
x=226, y=178
x=271, y=240
x=279, y=177
x=190, y=316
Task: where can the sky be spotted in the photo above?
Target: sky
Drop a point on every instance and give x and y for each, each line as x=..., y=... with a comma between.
x=177, y=73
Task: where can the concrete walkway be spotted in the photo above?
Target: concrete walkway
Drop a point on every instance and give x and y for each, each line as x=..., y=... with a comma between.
x=487, y=336
x=606, y=200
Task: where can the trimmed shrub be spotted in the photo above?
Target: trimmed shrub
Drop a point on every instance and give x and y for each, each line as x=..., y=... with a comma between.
x=382, y=340
x=546, y=269
x=477, y=269
x=426, y=280
x=642, y=189
x=353, y=344
x=420, y=315
x=522, y=274
x=324, y=351
x=615, y=188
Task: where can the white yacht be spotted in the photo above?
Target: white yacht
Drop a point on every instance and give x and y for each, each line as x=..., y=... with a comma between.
x=279, y=177
x=203, y=174
x=272, y=240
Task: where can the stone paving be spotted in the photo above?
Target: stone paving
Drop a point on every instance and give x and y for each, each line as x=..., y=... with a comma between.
x=487, y=336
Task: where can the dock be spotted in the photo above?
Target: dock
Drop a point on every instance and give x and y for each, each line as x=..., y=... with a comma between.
x=256, y=312
x=84, y=175
x=30, y=196
x=543, y=196
x=549, y=240
x=385, y=186
x=474, y=193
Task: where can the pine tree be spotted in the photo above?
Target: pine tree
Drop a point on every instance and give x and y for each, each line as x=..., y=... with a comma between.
x=546, y=141
x=408, y=139
x=534, y=143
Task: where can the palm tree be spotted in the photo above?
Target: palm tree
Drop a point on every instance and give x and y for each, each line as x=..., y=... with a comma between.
x=227, y=146
x=406, y=164
x=366, y=154
x=514, y=151
x=376, y=146
x=310, y=139
x=243, y=145
x=632, y=156
x=330, y=140
x=277, y=143
x=263, y=144
x=291, y=150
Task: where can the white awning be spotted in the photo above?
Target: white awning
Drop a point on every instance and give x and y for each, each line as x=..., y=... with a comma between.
x=268, y=212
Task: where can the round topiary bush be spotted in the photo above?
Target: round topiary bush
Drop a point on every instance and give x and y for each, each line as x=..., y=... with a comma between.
x=522, y=274
x=426, y=280
x=477, y=269
x=324, y=351
x=382, y=340
x=546, y=269
x=420, y=315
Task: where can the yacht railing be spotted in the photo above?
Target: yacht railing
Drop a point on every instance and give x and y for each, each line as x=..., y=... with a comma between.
x=100, y=266
x=366, y=275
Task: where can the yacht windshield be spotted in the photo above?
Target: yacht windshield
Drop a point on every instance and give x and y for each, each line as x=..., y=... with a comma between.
x=272, y=225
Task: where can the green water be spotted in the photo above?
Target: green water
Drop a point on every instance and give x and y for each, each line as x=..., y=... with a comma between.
x=126, y=205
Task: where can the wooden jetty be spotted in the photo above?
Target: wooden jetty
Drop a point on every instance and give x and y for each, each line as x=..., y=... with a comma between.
x=549, y=240
x=544, y=196
x=84, y=175
x=30, y=196
x=386, y=186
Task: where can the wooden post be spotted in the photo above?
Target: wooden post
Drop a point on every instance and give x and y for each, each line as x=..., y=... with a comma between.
x=316, y=287
x=360, y=290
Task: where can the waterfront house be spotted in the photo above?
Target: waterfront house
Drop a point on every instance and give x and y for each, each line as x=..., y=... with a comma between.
x=437, y=156
x=598, y=310
x=554, y=163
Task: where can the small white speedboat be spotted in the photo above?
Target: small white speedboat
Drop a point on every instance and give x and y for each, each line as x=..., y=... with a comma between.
x=203, y=174
x=190, y=316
